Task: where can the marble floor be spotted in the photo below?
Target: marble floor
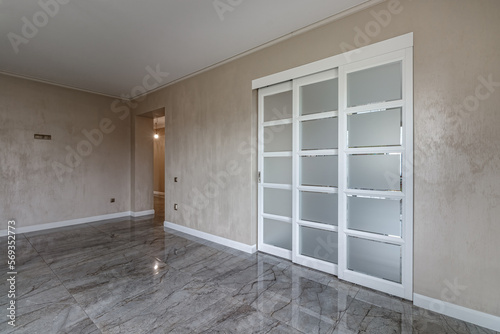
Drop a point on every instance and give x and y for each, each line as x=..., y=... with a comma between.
x=133, y=276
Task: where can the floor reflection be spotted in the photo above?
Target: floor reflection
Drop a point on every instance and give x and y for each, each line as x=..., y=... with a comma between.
x=134, y=276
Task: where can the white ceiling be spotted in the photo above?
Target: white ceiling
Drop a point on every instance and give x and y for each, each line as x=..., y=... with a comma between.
x=105, y=46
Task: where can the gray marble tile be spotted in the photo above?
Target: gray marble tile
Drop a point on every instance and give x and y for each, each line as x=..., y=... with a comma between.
x=383, y=300
x=25, y=255
x=290, y=312
x=305, y=304
x=169, y=249
x=36, y=285
x=51, y=318
x=131, y=230
x=368, y=318
x=207, y=319
x=414, y=319
x=100, y=261
x=68, y=242
x=133, y=276
x=206, y=263
x=61, y=257
x=246, y=319
x=102, y=283
x=252, y=278
x=158, y=309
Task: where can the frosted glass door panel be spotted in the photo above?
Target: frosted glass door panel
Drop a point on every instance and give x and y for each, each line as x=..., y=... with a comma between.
x=278, y=170
x=319, y=134
x=319, y=244
x=374, y=215
x=319, y=97
x=319, y=171
x=278, y=138
x=374, y=258
x=278, y=202
x=319, y=207
x=374, y=171
x=278, y=233
x=278, y=106
x=380, y=128
x=377, y=84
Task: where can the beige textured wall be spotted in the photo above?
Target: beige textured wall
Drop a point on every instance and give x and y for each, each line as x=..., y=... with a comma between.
x=30, y=190
x=159, y=161
x=457, y=181
x=142, y=162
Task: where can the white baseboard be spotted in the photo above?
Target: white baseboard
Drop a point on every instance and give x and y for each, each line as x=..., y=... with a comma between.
x=71, y=222
x=142, y=213
x=459, y=312
x=210, y=237
x=159, y=193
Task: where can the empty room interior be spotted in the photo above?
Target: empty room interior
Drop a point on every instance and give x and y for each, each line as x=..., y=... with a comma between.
x=250, y=166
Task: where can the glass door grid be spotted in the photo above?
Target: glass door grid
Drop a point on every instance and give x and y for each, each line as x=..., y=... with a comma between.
x=335, y=192
x=315, y=186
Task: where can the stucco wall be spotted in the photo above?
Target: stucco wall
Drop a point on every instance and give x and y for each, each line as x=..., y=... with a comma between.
x=142, y=164
x=70, y=176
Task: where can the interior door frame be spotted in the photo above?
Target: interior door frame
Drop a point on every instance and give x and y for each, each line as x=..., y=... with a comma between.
x=404, y=45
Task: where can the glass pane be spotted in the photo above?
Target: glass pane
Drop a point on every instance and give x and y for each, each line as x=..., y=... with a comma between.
x=278, y=106
x=319, y=97
x=380, y=128
x=319, y=171
x=319, y=134
x=278, y=233
x=375, y=215
x=374, y=171
x=319, y=207
x=319, y=244
x=278, y=202
x=374, y=258
x=278, y=170
x=377, y=84
x=278, y=138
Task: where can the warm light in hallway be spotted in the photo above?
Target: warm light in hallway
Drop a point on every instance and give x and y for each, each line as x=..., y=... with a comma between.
x=156, y=129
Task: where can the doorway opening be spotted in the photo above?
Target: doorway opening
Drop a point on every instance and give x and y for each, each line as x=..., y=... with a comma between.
x=148, y=163
x=159, y=166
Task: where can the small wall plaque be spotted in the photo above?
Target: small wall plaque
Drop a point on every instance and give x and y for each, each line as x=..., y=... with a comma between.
x=43, y=137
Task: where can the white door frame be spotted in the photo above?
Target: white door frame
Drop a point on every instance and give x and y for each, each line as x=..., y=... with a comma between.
x=386, y=51
x=405, y=289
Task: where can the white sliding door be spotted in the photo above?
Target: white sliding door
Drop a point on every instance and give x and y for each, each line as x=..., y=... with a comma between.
x=315, y=160
x=336, y=166
x=376, y=183
x=275, y=170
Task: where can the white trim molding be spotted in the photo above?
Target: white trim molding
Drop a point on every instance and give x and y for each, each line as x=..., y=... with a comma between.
x=250, y=249
x=459, y=312
x=71, y=222
x=47, y=82
x=142, y=213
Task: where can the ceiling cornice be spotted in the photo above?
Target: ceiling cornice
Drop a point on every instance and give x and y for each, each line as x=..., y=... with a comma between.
x=58, y=84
